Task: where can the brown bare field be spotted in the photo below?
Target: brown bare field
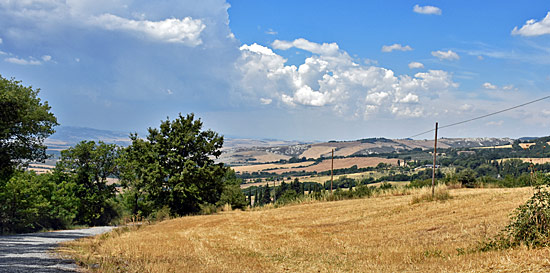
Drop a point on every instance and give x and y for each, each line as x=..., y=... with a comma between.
x=261, y=167
x=341, y=163
x=380, y=234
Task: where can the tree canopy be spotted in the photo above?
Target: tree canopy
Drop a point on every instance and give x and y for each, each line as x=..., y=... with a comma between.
x=25, y=121
x=174, y=167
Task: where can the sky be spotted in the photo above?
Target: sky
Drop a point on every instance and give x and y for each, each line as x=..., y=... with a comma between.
x=291, y=70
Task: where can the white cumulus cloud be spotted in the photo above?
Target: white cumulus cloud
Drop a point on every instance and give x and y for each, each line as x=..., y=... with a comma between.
x=390, y=48
x=330, y=78
x=415, y=65
x=324, y=49
x=427, y=10
x=445, y=55
x=186, y=31
x=534, y=28
x=490, y=86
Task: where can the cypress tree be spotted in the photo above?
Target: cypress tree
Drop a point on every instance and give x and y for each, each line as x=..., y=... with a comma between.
x=266, y=198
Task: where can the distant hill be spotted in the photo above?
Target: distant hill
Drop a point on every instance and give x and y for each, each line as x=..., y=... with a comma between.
x=73, y=135
x=68, y=136
x=244, y=155
x=240, y=151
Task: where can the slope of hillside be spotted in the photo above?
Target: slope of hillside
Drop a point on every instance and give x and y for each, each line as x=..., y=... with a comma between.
x=261, y=154
x=381, y=234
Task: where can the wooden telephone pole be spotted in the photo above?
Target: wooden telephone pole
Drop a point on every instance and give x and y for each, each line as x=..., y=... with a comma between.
x=433, y=166
x=331, y=171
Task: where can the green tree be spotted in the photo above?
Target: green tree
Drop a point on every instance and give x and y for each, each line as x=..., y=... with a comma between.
x=266, y=197
x=89, y=165
x=137, y=166
x=232, y=193
x=177, y=168
x=31, y=202
x=467, y=178
x=25, y=121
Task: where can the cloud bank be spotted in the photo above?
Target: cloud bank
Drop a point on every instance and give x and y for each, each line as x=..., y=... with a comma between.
x=330, y=78
x=534, y=28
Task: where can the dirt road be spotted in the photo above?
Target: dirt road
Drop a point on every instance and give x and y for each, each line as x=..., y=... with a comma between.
x=32, y=252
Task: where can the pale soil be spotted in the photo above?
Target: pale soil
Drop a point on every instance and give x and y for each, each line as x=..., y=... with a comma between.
x=32, y=252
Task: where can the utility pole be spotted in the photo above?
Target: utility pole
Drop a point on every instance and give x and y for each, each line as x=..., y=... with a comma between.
x=433, y=166
x=331, y=171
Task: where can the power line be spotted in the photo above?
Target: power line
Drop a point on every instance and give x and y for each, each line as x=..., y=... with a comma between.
x=484, y=116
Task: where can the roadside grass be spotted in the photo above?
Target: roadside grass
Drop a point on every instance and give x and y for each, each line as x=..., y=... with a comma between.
x=384, y=233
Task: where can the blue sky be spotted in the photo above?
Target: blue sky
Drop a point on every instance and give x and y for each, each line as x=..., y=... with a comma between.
x=295, y=70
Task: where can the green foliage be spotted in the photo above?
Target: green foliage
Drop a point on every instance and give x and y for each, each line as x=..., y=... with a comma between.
x=385, y=186
x=30, y=202
x=363, y=191
x=266, y=195
x=89, y=165
x=232, y=193
x=25, y=122
x=467, y=178
x=174, y=167
x=420, y=183
x=530, y=225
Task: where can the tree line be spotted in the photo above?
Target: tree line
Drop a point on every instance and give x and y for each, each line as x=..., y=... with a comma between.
x=171, y=170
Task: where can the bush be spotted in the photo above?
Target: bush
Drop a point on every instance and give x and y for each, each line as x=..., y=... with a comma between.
x=530, y=225
x=417, y=183
x=467, y=178
x=362, y=191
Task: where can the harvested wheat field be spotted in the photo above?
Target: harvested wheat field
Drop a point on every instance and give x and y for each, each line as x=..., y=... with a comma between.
x=379, y=234
x=341, y=163
x=270, y=166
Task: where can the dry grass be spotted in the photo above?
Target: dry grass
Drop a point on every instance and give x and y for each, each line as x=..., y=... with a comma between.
x=379, y=234
x=534, y=160
x=509, y=146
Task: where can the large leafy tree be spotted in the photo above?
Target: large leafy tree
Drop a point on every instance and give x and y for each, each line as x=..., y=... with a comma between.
x=174, y=167
x=90, y=165
x=25, y=121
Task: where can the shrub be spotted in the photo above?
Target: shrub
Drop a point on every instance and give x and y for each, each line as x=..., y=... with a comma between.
x=530, y=225
x=419, y=183
x=362, y=191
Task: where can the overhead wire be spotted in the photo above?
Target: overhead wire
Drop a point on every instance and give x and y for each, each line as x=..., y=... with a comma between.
x=483, y=116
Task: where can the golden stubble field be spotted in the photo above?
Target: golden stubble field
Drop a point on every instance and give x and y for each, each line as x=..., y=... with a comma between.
x=309, y=166
x=380, y=234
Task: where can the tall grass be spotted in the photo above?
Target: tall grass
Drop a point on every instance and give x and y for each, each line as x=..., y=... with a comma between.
x=441, y=193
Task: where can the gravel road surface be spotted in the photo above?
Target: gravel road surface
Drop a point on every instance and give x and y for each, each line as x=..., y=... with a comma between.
x=32, y=252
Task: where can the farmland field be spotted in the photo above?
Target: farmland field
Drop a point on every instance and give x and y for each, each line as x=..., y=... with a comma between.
x=263, y=167
x=379, y=234
x=325, y=165
x=534, y=160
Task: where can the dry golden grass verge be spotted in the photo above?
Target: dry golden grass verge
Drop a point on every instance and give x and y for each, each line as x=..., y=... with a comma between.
x=378, y=234
x=440, y=194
